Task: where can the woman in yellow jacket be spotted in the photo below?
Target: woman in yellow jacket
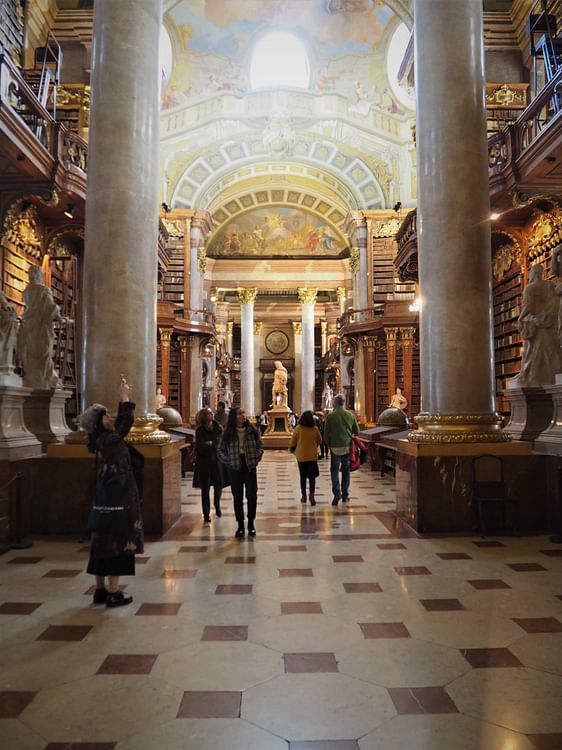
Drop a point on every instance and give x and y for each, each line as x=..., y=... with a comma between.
x=304, y=444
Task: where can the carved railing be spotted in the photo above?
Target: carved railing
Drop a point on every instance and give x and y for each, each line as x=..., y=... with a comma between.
x=365, y=315
x=196, y=316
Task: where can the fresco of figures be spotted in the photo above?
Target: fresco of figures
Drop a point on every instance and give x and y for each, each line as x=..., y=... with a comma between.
x=276, y=231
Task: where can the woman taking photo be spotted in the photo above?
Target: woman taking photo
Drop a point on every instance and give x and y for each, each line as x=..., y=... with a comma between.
x=208, y=469
x=115, y=522
x=304, y=444
x=240, y=449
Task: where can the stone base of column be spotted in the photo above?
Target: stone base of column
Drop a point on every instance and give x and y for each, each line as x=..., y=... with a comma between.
x=44, y=415
x=550, y=440
x=458, y=428
x=279, y=430
x=434, y=486
x=16, y=441
x=67, y=477
x=145, y=431
x=531, y=412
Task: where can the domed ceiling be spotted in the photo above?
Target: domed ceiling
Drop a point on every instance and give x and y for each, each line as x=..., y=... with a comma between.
x=329, y=135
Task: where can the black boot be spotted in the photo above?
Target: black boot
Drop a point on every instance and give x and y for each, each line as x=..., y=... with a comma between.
x=117, y=599
x=240, y=531
x=251, y=528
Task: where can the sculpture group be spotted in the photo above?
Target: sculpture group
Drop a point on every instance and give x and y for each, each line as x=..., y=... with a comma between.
x=33, y=342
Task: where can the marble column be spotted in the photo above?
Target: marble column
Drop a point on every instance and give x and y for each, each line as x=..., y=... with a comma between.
x=324, y=336
x=258, y=354
x=341, y=295
x=247, y=298
x=196, y=267
x=229, y=332
x=307, y=298
x=120, y=259
x=297, y=346
x=456, y=343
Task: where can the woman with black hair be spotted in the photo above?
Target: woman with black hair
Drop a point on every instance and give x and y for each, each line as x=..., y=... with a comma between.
x=115, y=521
x=240, y=449
x=304, y=444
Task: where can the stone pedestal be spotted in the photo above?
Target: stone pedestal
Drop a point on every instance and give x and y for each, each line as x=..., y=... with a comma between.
x=550, y=439
x=531, y=412
x=16, y=441
x=44, y=415
x=279, y=431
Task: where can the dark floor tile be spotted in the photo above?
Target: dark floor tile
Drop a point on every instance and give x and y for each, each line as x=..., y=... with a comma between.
x=362, y=588
x=65, y=633
x=539, y=624
x=312, y=662
x=193, y=548
x=546, y=741
x=176, y=573
x=295, y=573
x=244, y=560
x=225, y=633
x=347, y=558
x=551, y=552
x=210, y=704
x=127, y=664
x=301, y=608
x=292, y=548
x=488, y=583
x=13, y=702
x=234, y=589
x=62, y=573
x=441, y=605
x=422, y=700
x=324, y=745
x=25, y=560
x=489, y=544
x=525, y=567
x=140, y=560
x=166, y=608
x=413, y=570
x=487, y=658
x=454, y=556
x=18, y=608
x=81, y=746
x=391, y=545
x=384, y=630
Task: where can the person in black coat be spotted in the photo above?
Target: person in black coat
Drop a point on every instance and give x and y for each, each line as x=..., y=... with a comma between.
x=208, y=471
x=115, y=521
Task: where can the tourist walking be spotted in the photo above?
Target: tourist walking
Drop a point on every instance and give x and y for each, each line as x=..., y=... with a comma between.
x=339, y=428
x=208, y=471
x=240, y=449
x=305, y=441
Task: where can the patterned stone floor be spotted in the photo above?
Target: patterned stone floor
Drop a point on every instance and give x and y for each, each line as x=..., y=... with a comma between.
x=333, y=629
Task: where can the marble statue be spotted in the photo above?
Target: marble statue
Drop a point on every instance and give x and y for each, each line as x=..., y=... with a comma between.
x=160, y=399
x=398, y=400
x=279, y=392
x=8, y=335
x=228, y=398
x=35, y=340
x=327, y=397
x=538, y=325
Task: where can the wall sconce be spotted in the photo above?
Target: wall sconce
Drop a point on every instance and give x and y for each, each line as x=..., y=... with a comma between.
x=416, y=305
x=70, y=209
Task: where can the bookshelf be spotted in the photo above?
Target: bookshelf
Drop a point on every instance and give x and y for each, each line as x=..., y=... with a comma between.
x=507, y=339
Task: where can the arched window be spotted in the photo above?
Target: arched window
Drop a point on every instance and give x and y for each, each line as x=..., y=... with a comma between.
x=394, y=57
x=279, y=59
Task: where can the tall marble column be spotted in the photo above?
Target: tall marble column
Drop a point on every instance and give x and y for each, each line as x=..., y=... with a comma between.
x=120, y=260
x=258, y=354
x=247, y=298
x=356, y=228
x=297, y=346
x=229, y=332
x=307, y=298
x=324, y=336
x=196, y=265
x=341, y=295
x=453, y=226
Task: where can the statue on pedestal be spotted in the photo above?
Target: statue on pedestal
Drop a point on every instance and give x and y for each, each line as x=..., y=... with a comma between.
x=327, y=397
x=279, y=392
x=398, y=400
x=538, y=324
x=8, y=335
x=35, y=341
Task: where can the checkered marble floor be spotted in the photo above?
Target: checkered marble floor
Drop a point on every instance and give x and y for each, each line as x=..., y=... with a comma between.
x=334, y=629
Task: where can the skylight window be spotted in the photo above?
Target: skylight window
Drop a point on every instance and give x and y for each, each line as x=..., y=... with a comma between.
x=279, y=59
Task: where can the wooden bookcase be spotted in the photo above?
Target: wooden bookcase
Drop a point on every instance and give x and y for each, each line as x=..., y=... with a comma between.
x=507, y=339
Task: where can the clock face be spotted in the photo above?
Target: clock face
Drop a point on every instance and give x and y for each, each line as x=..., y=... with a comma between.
x=276, y=342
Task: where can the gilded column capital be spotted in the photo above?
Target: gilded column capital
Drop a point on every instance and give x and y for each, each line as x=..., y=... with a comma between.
x=324, y=327
x=332, y=328
x=369, y=342
x=229, y=327
x=307, y=296
x=391, y=334
x=354, y=256
x=185, y=345
x=340, y=294
x=165, y=336
x=297, y=328
x=258, y=328
x=247, y=296
x=408, y=332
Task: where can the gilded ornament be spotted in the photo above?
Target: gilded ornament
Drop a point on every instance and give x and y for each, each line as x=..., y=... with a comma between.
x=247, y=296
x=340, y=294
x=258, y=329
x=201, y=259
x=503, y=260
x=307, y=296
x=354, y=256
x=230, y=327
x=459, y=428
x=297, y=328
x=387, y=228
x=546, y=231
x=391, y=335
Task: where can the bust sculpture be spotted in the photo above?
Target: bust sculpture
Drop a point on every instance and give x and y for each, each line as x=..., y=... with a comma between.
x=35, y=341
x=279, y=393
x=8, y=335
x=398, y=400
x=538, y=325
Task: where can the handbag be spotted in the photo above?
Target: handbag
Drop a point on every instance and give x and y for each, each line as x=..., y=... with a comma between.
x=357, y=453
